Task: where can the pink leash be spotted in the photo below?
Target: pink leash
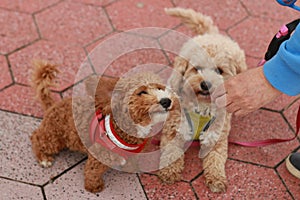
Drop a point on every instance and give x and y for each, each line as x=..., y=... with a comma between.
x=261, y=143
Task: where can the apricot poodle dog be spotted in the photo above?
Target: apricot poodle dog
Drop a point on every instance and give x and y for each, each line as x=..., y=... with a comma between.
x=204, y=62
x=68, y=124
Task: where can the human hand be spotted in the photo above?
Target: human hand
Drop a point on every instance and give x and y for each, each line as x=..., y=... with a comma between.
x=245, y=92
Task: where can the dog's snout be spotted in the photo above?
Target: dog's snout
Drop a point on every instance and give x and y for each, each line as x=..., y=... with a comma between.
x=165, y=102
x=205, y=85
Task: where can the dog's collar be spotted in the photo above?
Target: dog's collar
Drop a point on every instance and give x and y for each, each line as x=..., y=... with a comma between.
x=103, y=133
x=198, y=123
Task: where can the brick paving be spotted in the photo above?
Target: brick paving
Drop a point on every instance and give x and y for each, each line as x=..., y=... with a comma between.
x=66, y=31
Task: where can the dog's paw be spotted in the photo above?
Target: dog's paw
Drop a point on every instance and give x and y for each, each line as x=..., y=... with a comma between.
x=217, y=185
x=172, y=173
x=95, y=187
x=46, y=163
x=169, y=176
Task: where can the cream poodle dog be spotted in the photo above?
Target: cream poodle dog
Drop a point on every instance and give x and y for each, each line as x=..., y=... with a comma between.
x=204, y=62
x=89, y=125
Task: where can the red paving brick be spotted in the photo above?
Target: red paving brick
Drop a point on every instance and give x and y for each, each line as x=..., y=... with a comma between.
x=270, y=9
x=254, y=35
x=223, y=18
x=117, y=46
x=68, y=57
x=246, y=181
x=252, y=128
x=280, y=103
x=135, y=60
x=20, y=99
x=64, y=31
x=142, y=14
x=155, y=190
x=17, y=30
x=29, y=6
x=73, y=22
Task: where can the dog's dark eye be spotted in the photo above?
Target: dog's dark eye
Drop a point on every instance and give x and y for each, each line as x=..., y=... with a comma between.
x=142, y=92
x=219, y=70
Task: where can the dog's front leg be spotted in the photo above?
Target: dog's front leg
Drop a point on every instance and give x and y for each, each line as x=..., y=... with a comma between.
x=171, y=163
x=214, y=167
x=172, y=154
x=93, y=172
x=214, y=152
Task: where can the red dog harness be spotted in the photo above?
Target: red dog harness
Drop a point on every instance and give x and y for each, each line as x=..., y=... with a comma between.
x=103, y=133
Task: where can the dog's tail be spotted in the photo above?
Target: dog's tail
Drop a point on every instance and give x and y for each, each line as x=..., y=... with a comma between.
x=198, y=22
x=42, y=79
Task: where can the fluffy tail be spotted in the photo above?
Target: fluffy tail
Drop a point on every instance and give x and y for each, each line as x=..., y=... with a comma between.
x=42, y=79
x=198, y=22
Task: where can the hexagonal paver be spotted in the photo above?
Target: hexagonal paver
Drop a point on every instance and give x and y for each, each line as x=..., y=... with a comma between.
x=17, y=30
x=255, y=34
x=245, y=181
x=271, y=9
x=292, y=183
x=17, y=160
x=21, y=99
x=140, y=13
x=5, y=76
x=29, y=6
x=156, y=190
x=261, y=125
x=73, y=22
x=16, y=190
x=224, y=14
x=68, y=57
x=118, y=185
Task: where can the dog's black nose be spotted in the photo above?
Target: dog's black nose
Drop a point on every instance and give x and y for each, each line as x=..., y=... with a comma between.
x=205, y=85
x=165, y=102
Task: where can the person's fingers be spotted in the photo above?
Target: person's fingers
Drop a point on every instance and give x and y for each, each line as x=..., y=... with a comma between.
x=222, y=101
x=219, y=91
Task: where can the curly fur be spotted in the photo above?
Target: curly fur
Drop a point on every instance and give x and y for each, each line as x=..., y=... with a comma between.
x=137, y=97
x=42, y=79
x=209, y=50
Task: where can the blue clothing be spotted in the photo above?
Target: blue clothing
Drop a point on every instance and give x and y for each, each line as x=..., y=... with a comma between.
x=283, y=70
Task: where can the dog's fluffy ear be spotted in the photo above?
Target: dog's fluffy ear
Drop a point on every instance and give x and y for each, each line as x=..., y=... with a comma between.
x=238, y=61
x=176, y=78
x=242, y=66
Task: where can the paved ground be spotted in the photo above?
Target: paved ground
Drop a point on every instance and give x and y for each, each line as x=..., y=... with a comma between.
x=65, y=31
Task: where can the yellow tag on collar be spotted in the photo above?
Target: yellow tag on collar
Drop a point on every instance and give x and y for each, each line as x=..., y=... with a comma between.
x=199, y=123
